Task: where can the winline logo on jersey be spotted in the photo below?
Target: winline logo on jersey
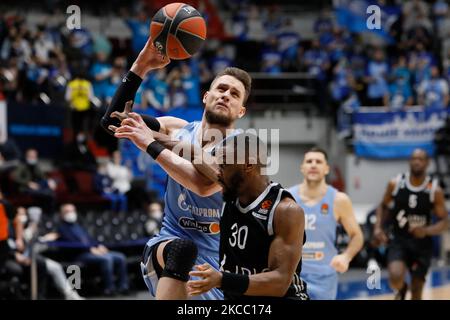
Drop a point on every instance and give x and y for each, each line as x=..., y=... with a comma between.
x=235, y=151
x=205, y=227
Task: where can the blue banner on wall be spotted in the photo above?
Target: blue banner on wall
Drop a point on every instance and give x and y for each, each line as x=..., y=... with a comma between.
x=387, y=135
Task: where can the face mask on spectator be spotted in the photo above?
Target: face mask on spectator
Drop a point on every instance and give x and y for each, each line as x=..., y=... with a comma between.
x=31, y=162
x=70, y=217
x=81, y=138
x=23, y=219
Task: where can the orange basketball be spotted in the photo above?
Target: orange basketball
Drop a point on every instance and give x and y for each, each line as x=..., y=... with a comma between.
x=178, y=30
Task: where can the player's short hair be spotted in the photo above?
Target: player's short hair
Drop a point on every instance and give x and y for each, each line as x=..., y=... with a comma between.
x=320, y=150
x=239, y=74
x=423, y=151
x=247, y=148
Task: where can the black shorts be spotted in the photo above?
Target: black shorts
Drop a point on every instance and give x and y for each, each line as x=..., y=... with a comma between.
x=417, y=256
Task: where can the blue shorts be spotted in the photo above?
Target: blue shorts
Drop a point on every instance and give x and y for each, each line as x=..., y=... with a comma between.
x=321, y=287
x=151, y=278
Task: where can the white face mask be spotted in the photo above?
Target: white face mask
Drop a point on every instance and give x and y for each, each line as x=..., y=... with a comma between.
x=70, y=217
x=31, y=161
x=23, y=219
x=156, y=214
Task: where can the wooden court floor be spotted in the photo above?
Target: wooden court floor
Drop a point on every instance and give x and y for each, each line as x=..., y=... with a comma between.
x=429, y=293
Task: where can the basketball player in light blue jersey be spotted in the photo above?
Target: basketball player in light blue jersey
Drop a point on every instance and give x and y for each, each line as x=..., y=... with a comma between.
x=325, y=208
x=190, y=229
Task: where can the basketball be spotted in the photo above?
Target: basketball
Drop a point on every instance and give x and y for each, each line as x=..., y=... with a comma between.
x=178, y=30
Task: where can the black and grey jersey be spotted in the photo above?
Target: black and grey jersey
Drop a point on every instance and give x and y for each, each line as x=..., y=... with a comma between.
x=246, y=236
x=412, y=206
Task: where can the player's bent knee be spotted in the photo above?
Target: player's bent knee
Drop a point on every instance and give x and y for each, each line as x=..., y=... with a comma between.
x=179, y=258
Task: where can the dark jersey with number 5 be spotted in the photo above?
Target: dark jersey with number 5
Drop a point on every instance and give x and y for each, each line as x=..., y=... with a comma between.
x=412, y=206
x=246, y=236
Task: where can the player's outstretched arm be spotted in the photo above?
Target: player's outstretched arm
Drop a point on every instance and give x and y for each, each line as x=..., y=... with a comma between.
x=149, y=58
x=346, y=216
x=179, y=169
x=382, y=213
x=284, y=254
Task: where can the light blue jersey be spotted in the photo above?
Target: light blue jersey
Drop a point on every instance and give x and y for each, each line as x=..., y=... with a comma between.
x=190, y=216
x=320, y=247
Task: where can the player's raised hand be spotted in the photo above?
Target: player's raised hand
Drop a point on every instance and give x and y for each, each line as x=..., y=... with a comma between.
x=122, y=115
x=340, y=263
x=211, y=278
x=135, y=129
x=149, y=58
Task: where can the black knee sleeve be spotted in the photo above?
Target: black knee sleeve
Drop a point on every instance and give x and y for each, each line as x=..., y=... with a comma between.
x=179, y=258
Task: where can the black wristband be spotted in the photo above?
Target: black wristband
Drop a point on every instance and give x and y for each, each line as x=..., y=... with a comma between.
x=234, y=282
x=154, y=149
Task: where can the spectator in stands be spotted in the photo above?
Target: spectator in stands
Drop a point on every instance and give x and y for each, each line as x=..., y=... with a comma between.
x=377, y=71
x=239, y=24
x=31, y=180
x=36, y=85
x=140, y=31
x=317, y=64
x=421, y=70
x=78, y=156
x=7, y=215
x=76, y=49
x=350, y=103
x=154, y=221
x=43, y=45
x=100, y=72
x=156, y=93
x=191, y=86
x=288, y=43
x=104, y=186
x=177, y=95
x=115, y=77
x=9, y=77
x=16, y=45
x=272, y=20
x=324, y=22
x=434, y=93
x=400, y=92
x=111, y=262
x=342, y=81
x=440, y=10
x=79, y=94
x=120, y=174
x=412, y=11
x=12, y=259
x=9, y=268
x=54, y=269
x=219, y=61
x=270, y=57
